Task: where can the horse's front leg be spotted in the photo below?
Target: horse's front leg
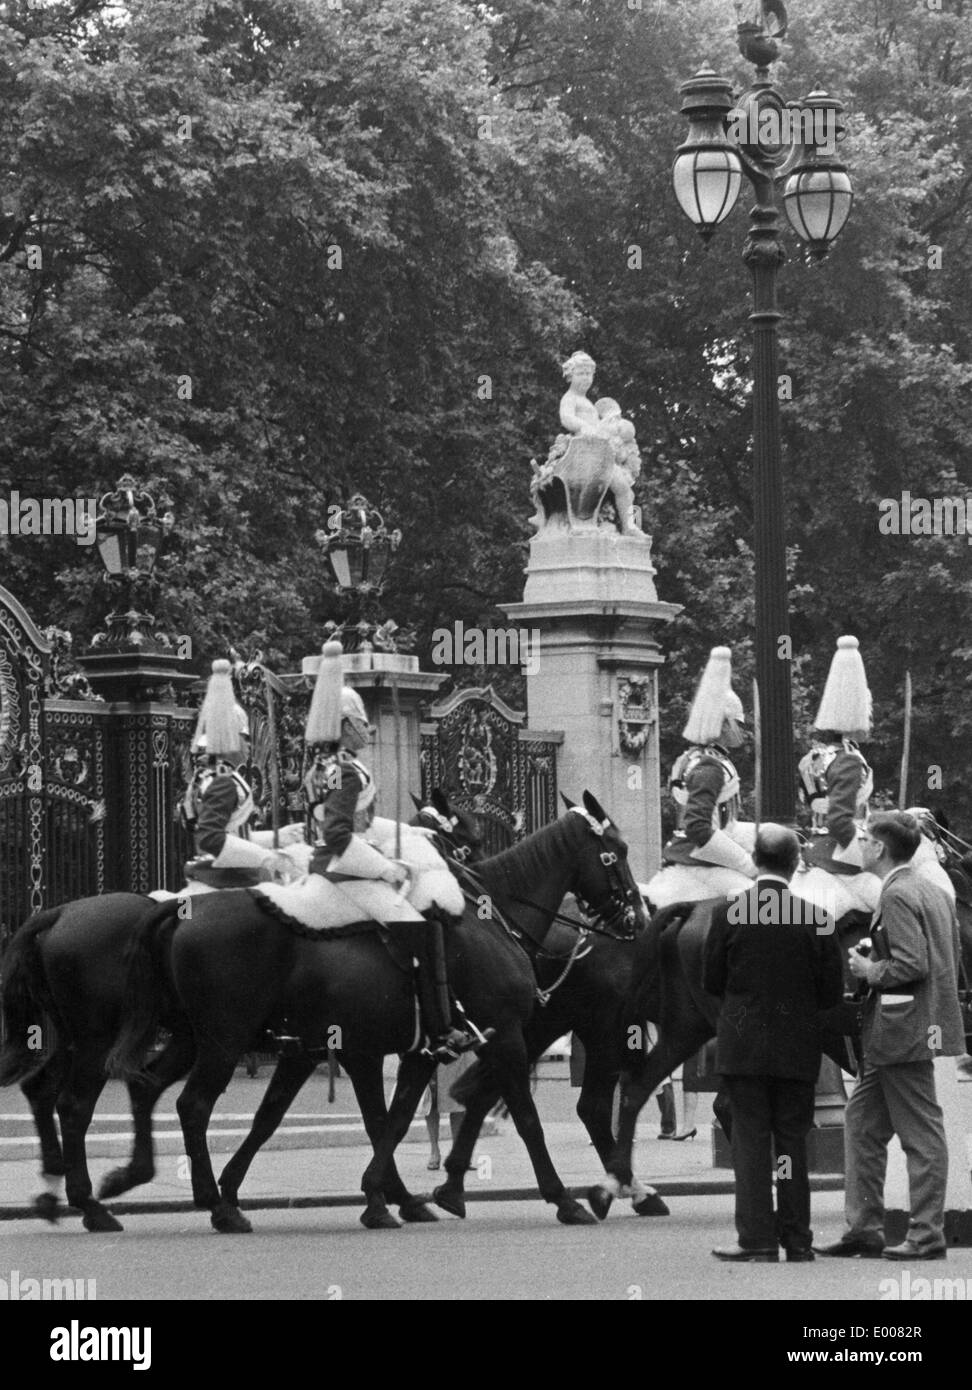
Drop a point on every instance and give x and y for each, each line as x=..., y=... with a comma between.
x=602, y=1067
x=289, y=1075
x=367, y=1078
x=414, y=1075
x=479, y=1096
x=509, y=1062
x=638, y=1082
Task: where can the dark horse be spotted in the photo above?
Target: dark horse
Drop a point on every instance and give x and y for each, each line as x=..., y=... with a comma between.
x=584, y=970
x=67, y=964
x=233, y=965
x=667, y=990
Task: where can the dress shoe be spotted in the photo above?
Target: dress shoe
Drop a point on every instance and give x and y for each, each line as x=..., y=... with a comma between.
x=908, y=1251
x=740, y=1256
x=667, y=1134
x=679, y=1138
x=799, y=1257
x=853, y=1247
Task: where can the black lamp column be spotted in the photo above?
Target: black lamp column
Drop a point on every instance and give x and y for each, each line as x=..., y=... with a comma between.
x=767, y=140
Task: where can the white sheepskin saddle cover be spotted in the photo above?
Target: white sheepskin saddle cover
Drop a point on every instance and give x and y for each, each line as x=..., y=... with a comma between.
x=317, y=903
x=688, y=883
x=290, y=861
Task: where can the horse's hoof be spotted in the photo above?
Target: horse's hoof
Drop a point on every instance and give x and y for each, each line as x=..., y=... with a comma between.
x=97, y=1219
x=450, y=1200
x=571, y=1213
x=599, y=1200
x=48, y=1207
x=652, y=1205
x=416, y=1212
x=434, y=1164
x=379, y=1219
x=229, y=1221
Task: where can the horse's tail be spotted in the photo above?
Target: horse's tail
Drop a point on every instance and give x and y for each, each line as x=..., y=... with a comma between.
x=145, y=993
x=25, y=997
x=643, y=1000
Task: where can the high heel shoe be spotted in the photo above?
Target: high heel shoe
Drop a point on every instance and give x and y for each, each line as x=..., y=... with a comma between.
x=679, y=1138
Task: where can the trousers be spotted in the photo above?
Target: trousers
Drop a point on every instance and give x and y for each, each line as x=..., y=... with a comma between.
x=896, y=1099
x=771, y=1112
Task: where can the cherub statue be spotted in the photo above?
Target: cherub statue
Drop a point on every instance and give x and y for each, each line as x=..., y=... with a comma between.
x=601, y=420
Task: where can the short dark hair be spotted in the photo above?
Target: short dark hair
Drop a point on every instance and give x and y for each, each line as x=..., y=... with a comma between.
x=898, y=832
x=777, y=850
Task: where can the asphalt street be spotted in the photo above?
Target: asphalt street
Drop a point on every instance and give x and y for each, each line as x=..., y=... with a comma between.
x=503, y=1250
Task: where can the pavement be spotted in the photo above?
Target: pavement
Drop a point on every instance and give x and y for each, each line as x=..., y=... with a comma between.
x=319, y=1153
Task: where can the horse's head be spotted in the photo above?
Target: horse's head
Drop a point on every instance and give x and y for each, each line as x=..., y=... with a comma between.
x=456, y=832
x=603, y=883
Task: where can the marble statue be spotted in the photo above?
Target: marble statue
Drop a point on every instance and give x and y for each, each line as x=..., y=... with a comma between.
x=595, y=460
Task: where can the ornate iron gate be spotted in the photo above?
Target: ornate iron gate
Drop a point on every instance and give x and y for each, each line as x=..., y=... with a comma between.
x=89, y=792
x=482, y=757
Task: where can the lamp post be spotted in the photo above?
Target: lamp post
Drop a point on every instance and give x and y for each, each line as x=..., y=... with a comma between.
x=130, y=534
x=129, y=660
x=768, y=141
x=358, y=546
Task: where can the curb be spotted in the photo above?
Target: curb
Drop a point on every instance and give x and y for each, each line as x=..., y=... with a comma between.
x=828, y=1182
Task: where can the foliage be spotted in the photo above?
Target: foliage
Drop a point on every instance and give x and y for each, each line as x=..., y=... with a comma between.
x=384, y=226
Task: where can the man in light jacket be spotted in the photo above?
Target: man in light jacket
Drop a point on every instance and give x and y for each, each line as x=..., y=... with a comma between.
x=911, y=1015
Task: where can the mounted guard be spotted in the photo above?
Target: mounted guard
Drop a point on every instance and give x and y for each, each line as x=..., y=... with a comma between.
x=836, y=782
x=353, y=877
x=219, y=803
x=708, y=854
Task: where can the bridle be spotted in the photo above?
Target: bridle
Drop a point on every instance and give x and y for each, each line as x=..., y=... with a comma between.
x=615, y=915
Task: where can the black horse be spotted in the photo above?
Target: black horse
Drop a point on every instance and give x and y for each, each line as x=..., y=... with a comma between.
x=667, y=990
x=233, y=965
x=583, y=965
x=67, y=965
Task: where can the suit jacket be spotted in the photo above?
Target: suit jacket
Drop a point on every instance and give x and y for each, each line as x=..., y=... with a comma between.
x=915, y=958
x=774, y=962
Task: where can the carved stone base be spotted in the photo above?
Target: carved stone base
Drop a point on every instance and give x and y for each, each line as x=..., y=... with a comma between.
x=597, y=565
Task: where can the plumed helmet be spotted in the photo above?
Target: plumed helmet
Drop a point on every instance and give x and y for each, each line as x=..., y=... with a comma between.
x=332, y=701
x=845, y=706
x=715, y=700
x=222, y=724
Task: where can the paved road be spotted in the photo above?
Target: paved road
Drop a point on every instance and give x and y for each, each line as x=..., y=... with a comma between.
x=503, y=1250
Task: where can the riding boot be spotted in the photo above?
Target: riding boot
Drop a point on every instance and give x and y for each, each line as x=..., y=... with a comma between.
x=446, y=1042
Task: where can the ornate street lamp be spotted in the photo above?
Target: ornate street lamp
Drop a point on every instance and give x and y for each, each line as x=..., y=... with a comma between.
x=358, y=546
x=130, y=533
x=769, y=141
x=130, y=660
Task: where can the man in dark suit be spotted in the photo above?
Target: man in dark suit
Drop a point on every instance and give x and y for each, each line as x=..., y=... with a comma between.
x=774, y=961
x=911, y=1016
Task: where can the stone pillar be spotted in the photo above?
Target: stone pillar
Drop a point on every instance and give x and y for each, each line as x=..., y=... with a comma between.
x=593, y=615
x=372, y=675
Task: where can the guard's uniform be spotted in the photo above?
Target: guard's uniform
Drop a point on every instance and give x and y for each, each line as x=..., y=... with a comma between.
x=218, y=805
x=842, y=782
x=704, y=784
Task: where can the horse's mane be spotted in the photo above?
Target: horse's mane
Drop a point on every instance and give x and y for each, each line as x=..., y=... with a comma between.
x=521, y=866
